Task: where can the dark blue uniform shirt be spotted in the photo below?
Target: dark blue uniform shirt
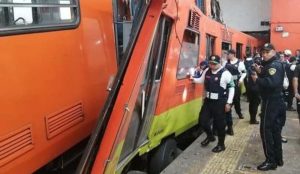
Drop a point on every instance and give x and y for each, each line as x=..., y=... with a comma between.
x=270, y=80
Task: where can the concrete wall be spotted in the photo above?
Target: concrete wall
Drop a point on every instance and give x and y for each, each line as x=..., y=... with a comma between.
x=285, y=13
x=246, y=15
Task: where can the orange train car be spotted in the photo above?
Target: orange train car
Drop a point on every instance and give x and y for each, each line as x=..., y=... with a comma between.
x=57, y=58
x=57, y=65
x=154, y=101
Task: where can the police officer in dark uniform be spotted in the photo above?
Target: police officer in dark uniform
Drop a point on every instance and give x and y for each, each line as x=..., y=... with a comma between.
x=219, y=88
x=253, y=91
x=269, y=78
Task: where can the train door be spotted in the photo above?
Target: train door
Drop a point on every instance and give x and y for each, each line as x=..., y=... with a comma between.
x=148, y=93
x=239, y=50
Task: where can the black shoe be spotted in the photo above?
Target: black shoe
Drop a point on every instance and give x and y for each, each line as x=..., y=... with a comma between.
x=218, y=148
x=280, y=163
x=254, y=122
x=267, y=166
x=284, y=140
x=262, y=164
x=207, y=140
x=229, y=131
x=241, y=116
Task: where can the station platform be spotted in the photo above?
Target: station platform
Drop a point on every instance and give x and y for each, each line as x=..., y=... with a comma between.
x=243, y=151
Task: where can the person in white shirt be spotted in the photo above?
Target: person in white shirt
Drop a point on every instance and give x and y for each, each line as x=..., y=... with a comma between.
x=238, y=71
x=219, y=92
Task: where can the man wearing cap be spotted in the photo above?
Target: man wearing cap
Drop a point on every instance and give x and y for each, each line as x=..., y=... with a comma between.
x=269, y=78
x=200, y=69
x=238, y=71
x=219, y=88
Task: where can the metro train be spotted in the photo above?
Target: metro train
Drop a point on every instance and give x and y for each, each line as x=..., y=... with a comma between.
x=155, y=102
x=111, y=71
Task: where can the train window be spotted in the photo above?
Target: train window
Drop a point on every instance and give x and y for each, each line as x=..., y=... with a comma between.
x=226, y=46
x=210, y=45
x=189, y=53
x=20, y=16
x=201, y=5
x=2, y=17
x=126, y=19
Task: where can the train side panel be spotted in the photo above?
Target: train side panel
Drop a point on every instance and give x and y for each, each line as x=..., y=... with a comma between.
x=53, y=87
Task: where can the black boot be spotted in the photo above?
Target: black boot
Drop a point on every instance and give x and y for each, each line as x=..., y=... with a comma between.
x=254, y=122
x=267, y=166
x=241, y=116
x=284, y=140
x=207, y=140
x=280, y=162
x=218, y=148
x=229, y=131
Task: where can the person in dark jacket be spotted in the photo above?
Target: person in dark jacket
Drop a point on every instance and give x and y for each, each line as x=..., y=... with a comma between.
x=248, y=62
x=289, y=93
x=253, y=91
x=269, y=78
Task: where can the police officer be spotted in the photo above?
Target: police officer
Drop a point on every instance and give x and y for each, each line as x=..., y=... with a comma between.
x=253, y=91
x=248, y=62
x=238, y=71
x=219, y=89
x=289, y=93
x=269, y=78
x=296, y=87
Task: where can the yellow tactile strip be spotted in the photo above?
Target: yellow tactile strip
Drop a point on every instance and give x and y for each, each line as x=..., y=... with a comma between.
x=227, y=161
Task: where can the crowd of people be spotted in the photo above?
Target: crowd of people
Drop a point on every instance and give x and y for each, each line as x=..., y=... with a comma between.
x=271, y=79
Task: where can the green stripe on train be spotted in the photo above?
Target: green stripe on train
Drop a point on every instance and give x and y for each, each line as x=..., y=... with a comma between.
x=174, y=121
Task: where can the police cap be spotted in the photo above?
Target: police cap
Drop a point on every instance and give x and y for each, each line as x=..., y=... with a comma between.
x=268, y=47
x=215, y=59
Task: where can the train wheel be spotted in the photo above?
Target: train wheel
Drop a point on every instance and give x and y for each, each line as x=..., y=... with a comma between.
x=163, y=156
x=136, y=172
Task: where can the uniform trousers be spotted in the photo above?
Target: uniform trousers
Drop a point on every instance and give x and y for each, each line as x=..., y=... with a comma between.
x=298, y=109
x=236, y=100
x=237, y=106
x=289, y=96
x=272, y=120
x=254, y=101
x=213, y=110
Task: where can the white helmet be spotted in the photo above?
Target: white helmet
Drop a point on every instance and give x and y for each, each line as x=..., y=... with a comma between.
x=288, y=52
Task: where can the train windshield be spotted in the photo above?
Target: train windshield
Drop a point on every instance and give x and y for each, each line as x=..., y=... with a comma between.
x=126, y=21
